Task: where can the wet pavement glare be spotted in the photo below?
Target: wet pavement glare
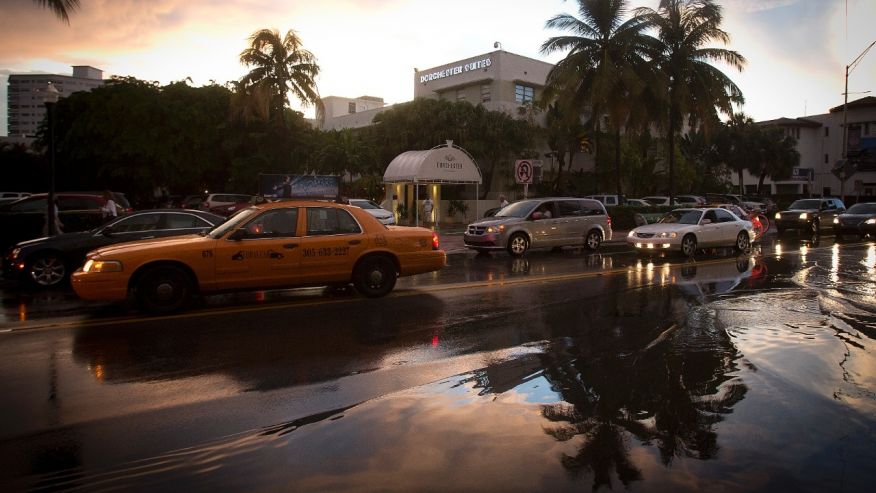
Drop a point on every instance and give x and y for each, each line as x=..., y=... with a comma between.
x=749, y=373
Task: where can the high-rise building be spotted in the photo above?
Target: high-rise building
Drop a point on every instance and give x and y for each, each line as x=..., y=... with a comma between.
x=26, y=108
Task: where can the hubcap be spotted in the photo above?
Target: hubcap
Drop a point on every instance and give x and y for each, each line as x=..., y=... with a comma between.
x=518, y=245
x=47, y=271
x=375, y=278
x=593, y=240
x=164, y=291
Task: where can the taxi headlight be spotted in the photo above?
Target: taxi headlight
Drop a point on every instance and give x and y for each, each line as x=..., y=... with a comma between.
x=870, y=221
x=102, y=266
x=778, y=215
x=803, y=215
x=496, y=229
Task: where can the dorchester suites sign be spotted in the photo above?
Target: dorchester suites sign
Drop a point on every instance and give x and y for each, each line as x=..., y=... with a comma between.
x=456, y=70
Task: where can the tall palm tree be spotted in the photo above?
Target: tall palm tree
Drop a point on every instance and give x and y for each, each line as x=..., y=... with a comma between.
x=777, y=155
x=605, y=67
x=61, y=8
x=697, y=90
x=283, y=66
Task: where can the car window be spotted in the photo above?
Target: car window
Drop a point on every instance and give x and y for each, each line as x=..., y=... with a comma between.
x=140, y=222
x=29, y=205
x=570, y=208
x=518, y=209
x=275, y=223
x=330, y=221
x=181, y=221
x=364, y=204
x=805, y=204
x=724, y=216
x=592, y=208
x=78, y=204
x=711, y=216
x=682, y=216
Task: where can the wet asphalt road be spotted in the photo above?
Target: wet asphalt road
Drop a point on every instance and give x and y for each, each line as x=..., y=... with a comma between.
x=555, y=372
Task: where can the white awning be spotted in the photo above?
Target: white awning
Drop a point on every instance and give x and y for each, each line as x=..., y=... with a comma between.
x=442, y=164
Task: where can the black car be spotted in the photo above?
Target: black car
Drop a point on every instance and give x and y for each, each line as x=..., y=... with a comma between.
x=859, y=220
x=810, y=215
x=45, y=262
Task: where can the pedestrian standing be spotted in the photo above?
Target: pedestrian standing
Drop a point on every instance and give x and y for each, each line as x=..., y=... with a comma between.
x=427, y=209
x=109, y=208
x=503, y=202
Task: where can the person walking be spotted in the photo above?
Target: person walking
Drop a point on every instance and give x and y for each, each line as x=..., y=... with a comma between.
x=427, y=210
x=109, y=207
x=503, y=201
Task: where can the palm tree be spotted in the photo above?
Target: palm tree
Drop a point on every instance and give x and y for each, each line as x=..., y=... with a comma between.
x=696, y=89
x=777, y=155
x=281, y=65
x=62, y=8
x=605, y=67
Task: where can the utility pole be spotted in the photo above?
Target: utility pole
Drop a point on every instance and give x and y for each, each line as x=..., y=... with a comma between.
x=849, y=68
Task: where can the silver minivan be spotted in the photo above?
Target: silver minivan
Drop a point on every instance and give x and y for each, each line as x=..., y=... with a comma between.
x=545, y=222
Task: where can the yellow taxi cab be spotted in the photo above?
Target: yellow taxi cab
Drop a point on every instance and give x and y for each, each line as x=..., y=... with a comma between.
x=274, y=245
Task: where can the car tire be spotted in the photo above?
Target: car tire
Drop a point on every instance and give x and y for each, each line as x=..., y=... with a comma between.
x=375, y=276
x=46, y=270
x=689, y=245
x=593, y=240
x=164, y=289
x=518, y=244
x=743, y=242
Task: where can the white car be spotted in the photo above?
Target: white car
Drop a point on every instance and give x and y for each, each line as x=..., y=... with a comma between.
x=636, y=203
x=659, y=200
x=382, y=215
x=688, y=230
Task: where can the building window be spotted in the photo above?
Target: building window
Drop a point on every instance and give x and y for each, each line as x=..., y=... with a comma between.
x=827, y=131
x=351, y=107
x=485, y=93
x=460, y=95
x=523, y=94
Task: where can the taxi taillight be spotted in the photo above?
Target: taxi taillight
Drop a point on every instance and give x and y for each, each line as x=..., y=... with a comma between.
x=436, y=243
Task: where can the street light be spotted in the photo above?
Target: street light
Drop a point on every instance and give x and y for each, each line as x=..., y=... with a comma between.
x=50, y=98
x=849, y=68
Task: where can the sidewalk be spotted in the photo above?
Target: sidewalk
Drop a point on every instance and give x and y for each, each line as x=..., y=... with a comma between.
x=451, y=239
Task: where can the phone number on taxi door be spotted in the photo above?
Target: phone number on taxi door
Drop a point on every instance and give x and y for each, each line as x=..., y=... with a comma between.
x=326, y=252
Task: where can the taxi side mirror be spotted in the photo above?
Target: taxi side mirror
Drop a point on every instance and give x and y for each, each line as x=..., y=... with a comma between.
x=237, y=235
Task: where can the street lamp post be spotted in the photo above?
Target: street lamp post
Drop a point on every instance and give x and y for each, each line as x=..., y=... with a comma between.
x=50, y=98
x=849, y=69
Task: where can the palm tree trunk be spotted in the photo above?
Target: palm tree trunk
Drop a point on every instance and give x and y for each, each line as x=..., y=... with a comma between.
x=617, y=160
x=596, y=154
x=760, y=180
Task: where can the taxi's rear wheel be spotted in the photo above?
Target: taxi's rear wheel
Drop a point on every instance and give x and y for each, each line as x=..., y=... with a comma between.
x=375, y=276
x=164, y=289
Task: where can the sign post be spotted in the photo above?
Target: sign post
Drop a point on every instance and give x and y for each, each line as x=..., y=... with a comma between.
x=523, y=173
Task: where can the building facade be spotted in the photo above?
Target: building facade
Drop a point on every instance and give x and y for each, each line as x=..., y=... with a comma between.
x=25, y=106
x=822, y=171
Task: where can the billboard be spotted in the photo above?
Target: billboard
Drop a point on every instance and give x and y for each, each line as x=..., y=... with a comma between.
x=300, y=186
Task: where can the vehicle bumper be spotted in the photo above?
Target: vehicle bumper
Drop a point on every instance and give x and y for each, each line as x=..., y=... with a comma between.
x=654, y=244
x=100, y=286
x=793, y=223
x=489, y=241
x=422, y=262
x=861, y=229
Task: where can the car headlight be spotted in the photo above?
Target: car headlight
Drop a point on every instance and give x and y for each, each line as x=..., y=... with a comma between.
x=496, y=229
x=778, y=215
x=668, y=235
x=870, y=221
x=92, y=265
x=15, y=253
x=836, y=220
x=803, y=215
x=631, y=233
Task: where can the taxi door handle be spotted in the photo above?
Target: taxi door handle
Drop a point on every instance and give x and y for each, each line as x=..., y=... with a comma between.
x=355, y=242
x=290, y=246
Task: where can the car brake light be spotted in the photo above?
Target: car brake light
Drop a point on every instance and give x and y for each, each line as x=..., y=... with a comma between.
x=608, y=220
x=435, y=241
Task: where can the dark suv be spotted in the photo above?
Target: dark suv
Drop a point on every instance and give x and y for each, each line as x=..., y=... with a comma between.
x=25, y=219
x=811, y=215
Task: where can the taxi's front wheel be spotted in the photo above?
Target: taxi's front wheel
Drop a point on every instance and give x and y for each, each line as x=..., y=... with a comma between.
x=164, y=289
x=375, y=276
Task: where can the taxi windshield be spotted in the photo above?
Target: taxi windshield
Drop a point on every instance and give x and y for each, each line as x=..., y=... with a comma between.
x=518, y=209
x=689, y=216
x=233, y=223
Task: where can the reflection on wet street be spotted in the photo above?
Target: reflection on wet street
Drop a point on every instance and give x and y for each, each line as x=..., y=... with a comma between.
x=557, y=371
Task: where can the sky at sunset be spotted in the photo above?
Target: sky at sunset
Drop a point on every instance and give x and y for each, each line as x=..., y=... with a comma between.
x=796, y=49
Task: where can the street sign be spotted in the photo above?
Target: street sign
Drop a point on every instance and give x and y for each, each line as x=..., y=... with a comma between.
x=523, y=171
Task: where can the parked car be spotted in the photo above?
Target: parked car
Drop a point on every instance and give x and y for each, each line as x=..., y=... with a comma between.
x=46, y=262
x=659, y=200
x=25, y=218
x=810, y=215
x=215, y=200
x=691, y=200
x=688, y=230
x=382, y=215
x=608, y=200
x=636, y=203
x=230, y=210
x=12, y=196
x=545, y=222
x=859, y=220
x=192, y=201
x=274, y=245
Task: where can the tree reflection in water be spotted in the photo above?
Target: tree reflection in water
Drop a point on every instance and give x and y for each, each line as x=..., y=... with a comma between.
x=664, y=387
